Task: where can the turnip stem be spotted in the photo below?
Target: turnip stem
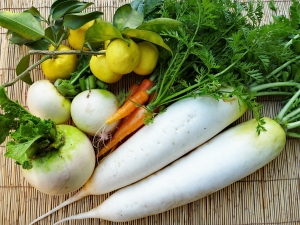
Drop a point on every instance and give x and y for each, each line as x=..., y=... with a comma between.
x=270, y=85
x=284, y=110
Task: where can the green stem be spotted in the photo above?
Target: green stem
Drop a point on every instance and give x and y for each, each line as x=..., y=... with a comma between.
x=270, y=85
x=293, y=125
x=283, y=111
x=79, y=74
x=291, y=41
x=292, y=134
x=25, y=72
x=77, y=52
x=283, y=66
x=266, y=93
x=290, y=115
x=230, y=66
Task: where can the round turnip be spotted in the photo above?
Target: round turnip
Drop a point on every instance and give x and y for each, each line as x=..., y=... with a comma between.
x=44, y=101
x=91, y=108
x=66, y=169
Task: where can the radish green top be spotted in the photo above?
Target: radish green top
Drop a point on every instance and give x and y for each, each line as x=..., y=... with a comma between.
x=30, y=135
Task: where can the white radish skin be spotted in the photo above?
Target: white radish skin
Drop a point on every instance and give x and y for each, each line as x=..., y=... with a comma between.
x=44, y=101
x=185, y=125
x=228, y=157
x=66, y=169
x=91, y=108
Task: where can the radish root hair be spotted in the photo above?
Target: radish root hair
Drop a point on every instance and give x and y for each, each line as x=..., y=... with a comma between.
x=79, y=195
x=89, y=214
x=104, y=136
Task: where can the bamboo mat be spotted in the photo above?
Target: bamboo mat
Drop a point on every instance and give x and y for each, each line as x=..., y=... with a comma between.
x=269, y=196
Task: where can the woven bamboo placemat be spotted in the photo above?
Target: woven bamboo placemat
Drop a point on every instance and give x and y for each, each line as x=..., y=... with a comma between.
x=269, y=196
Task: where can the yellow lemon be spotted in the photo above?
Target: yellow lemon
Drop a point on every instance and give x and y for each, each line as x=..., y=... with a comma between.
x=76, y=37
x=60, y=66
x=148, y=59
x=122, y=57
x=101, y=70
x=106, y=43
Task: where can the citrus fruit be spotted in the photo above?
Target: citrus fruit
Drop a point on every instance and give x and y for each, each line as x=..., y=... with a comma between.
x=122, y=57
x=60, y=66
x=148, y=59
x=101, y=70
x=106, y=43
x=76, y=37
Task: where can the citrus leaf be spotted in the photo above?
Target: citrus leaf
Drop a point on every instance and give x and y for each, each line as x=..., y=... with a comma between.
x=146, y=36
x=126, y=17
x=102, y=31
x=76, y=20
x=149, y=8
x=24, y=24
x=160, y=24
x=17, y=39
x=55, y=4
x=22, y=66
x=41, y=44
x=82, y=7
x=34, y=11
x=68, y=7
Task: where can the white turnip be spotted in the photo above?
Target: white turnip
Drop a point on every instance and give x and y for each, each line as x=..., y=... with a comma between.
x=44, y=101
x=66, y=169
x=91, y=108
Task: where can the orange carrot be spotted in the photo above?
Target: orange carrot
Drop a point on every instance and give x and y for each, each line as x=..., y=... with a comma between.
x=145, y=84
x=139, y=98
x=132, y=124
x=132, y=90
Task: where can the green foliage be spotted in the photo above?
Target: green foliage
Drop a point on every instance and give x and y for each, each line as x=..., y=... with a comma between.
x=29, y=135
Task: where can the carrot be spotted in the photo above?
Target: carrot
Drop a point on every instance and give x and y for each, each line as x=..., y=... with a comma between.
x=139, y=98
x=132, y=90
x=133, y=123
x=145, y=84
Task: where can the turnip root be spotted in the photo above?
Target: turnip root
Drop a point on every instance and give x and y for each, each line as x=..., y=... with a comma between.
x=44, y=101
x=185, y=125
x=64, y=170
x=91, y=108
x=226, y=158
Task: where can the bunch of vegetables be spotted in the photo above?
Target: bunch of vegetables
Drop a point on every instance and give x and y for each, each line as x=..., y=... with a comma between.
x=215, y=59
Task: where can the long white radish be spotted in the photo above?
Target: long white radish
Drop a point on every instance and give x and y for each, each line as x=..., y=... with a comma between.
x=185, y=125
x=228, y=157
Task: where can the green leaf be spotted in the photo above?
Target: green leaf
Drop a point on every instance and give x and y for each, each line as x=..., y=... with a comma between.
x=102, y=31
x=18, y=151
x=22, y=66
x=66, y=7
x=76, y=20
x=160, y=25
x=126, y=17
x=24, y=24
x=17, y=39
x=147, y=36
x=38, y=45
x=55, y=4
x=149, y=8
x=34, y=11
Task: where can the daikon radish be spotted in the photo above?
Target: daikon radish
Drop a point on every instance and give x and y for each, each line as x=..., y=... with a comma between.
x=185, y=125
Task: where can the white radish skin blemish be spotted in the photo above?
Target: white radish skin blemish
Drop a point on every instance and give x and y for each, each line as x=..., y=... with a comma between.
x=225, y=159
